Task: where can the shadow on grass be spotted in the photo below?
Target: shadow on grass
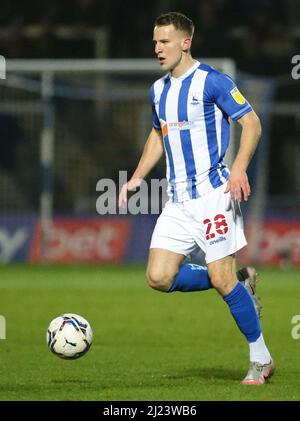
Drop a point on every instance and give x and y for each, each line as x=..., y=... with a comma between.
x=209, y=373
x=70, y=381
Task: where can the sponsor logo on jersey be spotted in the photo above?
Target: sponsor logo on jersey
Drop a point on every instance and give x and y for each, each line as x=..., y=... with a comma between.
x=218, y=240
x=175, y=125
x=237, y=96
x=181, y=125
x=164, y=127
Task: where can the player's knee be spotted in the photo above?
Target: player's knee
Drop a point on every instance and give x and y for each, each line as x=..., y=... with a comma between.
x=221, y=281
x=159, y=280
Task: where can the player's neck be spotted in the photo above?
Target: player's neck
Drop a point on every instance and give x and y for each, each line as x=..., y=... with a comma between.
x=185, y=64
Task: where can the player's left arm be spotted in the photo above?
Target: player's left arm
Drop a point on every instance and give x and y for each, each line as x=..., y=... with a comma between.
x=238, y=183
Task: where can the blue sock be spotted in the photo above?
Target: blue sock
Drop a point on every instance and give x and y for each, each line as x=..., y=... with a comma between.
x=191, y=278
x=243, y=311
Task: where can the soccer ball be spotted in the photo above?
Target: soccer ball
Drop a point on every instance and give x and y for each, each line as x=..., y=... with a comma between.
x=69, y=336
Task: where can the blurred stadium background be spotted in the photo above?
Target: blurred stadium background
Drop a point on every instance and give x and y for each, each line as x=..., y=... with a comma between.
x=75, y=109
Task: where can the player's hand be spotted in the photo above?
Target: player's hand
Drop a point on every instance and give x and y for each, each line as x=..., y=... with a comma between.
x=130, y=186
x=238, y=185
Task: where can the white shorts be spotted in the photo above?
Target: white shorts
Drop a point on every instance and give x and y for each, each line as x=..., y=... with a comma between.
x=207, y=222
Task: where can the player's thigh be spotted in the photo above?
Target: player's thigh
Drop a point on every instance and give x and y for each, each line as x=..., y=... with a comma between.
x=163, y=266
x=172, y=231
x=222, y=273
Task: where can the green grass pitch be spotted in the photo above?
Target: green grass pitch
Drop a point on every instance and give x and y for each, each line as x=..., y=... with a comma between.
x=147, y=345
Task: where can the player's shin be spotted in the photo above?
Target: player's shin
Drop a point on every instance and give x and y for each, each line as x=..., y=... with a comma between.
x=243, y=311
x=191, y=277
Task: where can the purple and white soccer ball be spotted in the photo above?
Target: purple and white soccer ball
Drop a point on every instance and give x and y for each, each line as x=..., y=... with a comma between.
x=69, y=336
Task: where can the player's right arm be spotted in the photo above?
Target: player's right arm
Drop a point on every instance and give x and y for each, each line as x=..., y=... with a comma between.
x=153, y=151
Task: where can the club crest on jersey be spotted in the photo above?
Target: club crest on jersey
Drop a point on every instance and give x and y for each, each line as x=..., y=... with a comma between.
x=195, y=98
x=237, y=96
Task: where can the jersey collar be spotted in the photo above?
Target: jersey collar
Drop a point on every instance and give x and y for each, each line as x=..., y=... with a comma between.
x=186, y=74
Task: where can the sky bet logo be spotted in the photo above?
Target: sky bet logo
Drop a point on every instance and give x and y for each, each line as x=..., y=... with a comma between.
x=296, y=69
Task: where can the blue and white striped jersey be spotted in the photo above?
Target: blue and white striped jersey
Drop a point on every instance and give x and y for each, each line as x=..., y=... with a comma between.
x=193, y=111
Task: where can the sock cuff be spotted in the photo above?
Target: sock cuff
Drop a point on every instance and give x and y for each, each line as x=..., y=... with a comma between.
x=236, y=291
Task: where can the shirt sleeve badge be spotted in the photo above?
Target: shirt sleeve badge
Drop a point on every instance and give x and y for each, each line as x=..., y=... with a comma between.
x=237, y=96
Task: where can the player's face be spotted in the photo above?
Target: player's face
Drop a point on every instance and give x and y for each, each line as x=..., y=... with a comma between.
x=169, y=46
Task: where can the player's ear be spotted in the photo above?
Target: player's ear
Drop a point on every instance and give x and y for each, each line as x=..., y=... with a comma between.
x=186, y=44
